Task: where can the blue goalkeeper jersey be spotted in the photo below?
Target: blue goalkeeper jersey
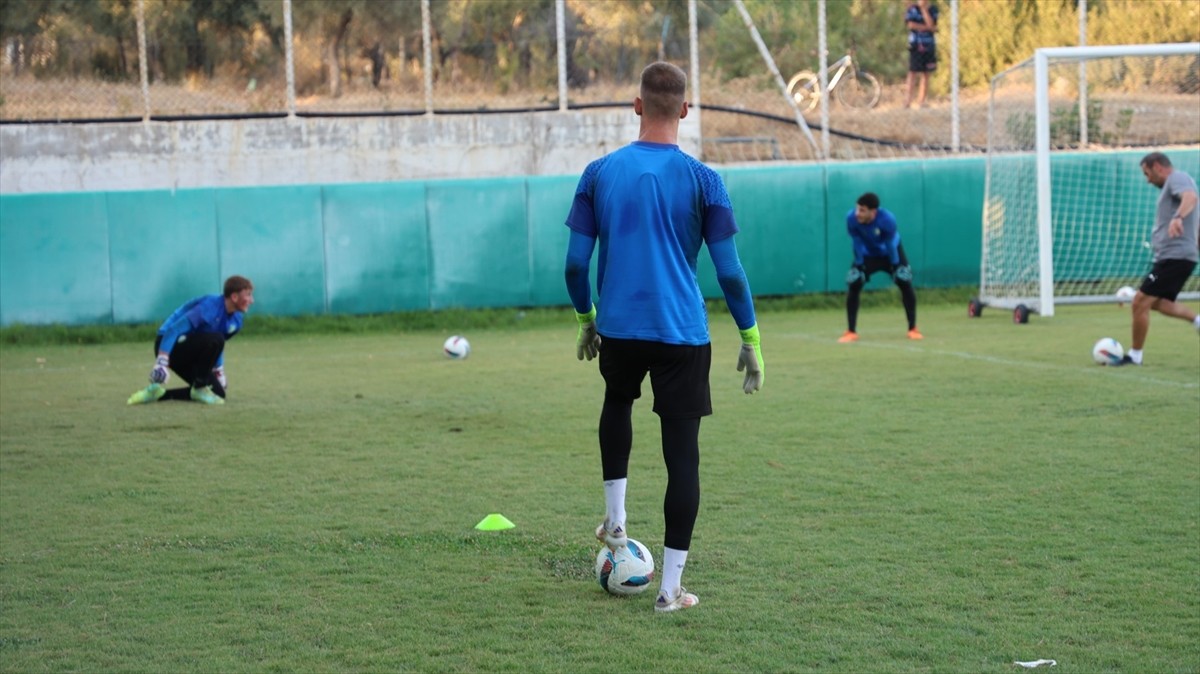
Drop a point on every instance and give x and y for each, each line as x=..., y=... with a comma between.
x=203, y=315
x=878, y=238
x=646, y=268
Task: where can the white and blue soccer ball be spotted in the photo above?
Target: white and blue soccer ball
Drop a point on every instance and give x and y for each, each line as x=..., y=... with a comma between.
x=456, y=347
x=1108, y=351
x=626, y=570
x=1125, y=294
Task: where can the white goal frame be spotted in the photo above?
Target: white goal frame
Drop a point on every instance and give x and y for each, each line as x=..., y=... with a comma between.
x=1044, y=302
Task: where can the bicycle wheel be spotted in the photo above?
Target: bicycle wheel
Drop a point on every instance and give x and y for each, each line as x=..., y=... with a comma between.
x=860, y=91
x=805, y=89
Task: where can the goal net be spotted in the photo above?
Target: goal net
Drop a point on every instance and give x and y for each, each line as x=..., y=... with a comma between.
x=1067, y=213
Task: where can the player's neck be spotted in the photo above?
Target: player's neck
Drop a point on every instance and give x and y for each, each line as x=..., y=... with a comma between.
x=666, y=133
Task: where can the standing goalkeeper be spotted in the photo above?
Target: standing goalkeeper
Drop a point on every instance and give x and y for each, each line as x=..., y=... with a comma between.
x=192, y=343
x=651, y=207
x=876, y=248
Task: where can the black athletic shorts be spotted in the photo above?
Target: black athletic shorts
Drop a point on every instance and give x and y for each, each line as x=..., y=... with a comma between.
x=678, y=375
x=194, y=356
x=874, y=264
x=1166, y=278
x=922, y=59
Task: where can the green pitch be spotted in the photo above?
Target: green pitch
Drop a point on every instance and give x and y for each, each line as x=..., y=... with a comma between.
x=982, y=496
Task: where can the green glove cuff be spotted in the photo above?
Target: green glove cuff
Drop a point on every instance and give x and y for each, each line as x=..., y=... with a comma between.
x=589, y=317
x=749, y=335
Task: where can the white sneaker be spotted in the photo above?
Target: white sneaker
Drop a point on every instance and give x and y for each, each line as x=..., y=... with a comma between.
x=683, y=600
x=612, y=535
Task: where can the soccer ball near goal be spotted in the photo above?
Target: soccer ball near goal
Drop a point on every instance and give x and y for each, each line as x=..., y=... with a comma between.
x=627, y=570
x=1125, y=294
x=1108, y=351
x=456, y=347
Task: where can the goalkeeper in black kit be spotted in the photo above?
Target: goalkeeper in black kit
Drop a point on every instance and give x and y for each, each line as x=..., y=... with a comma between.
x=876, y=248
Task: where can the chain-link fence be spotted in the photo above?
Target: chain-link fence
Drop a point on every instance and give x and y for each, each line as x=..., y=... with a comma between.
x=167, y=59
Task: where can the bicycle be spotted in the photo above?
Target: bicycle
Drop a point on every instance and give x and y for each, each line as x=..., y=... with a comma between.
x=853, y=86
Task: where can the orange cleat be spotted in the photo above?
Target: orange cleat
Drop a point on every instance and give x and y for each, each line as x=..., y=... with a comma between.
x=915, y=334
x=850, y=336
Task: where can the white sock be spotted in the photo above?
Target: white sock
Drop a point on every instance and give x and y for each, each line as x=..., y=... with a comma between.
x=614, y=500
x=673, y=563
x=1136, y=355
x=1196, y=322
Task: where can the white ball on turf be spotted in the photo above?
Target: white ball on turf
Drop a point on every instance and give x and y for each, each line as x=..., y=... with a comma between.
x=1108, y=351
x=1125, y=294
x=456, y=347
x=627, y=570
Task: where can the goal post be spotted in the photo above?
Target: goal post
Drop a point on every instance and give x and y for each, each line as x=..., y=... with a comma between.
x=1067, y=212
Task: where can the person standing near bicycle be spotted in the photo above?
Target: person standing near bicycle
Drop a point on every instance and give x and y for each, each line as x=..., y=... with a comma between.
x=921, y=21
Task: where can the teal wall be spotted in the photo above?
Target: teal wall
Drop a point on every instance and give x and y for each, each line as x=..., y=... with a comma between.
x=127, y=257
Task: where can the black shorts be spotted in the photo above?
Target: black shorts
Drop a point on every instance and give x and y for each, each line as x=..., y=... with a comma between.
x=874, y=264
x=678, y=375
x=194, y=356
x=922, y=59
x=1166, y=278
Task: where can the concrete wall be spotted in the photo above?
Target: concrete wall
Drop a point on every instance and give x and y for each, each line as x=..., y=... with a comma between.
x=48, y=158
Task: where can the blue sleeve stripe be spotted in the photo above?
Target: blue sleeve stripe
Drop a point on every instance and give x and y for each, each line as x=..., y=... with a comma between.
x=582, y=218
x=579, y=260
x=718, y=223
x=731, y=276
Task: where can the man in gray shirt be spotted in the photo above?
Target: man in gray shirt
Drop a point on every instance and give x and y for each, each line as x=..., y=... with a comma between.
x=1174, y=242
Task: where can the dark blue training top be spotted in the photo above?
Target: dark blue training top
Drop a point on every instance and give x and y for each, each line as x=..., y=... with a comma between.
x=923, y=38
x=878, y=238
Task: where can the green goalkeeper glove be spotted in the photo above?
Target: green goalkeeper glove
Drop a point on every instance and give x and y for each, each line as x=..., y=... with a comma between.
x=750, y=360
x=587, y=341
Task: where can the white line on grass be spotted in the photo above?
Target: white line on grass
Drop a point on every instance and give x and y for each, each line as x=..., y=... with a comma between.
x=808, y=337
x=966, y=355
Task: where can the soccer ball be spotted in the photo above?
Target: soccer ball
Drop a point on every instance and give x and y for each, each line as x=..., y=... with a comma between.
x=1108, y=351
x=1125, y=294
x=456, y=347
x=628, y=570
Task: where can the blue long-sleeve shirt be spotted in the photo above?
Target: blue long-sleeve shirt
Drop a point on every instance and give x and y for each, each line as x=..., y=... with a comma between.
x=878, y=238
x=202, y=315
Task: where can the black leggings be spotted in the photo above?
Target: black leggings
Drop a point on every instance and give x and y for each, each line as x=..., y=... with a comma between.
x=681, y=453
x=871, y=265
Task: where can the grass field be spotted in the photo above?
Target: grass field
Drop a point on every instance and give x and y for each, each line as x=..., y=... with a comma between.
x=983, y=496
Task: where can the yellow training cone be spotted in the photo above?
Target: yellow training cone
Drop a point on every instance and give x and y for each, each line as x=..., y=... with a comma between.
x=494, y=522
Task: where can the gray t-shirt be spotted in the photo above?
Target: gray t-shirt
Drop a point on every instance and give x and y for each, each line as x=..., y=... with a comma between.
x=1179, y=247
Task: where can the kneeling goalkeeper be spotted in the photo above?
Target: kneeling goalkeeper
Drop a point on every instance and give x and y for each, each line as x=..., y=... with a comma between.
x=192, y=343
